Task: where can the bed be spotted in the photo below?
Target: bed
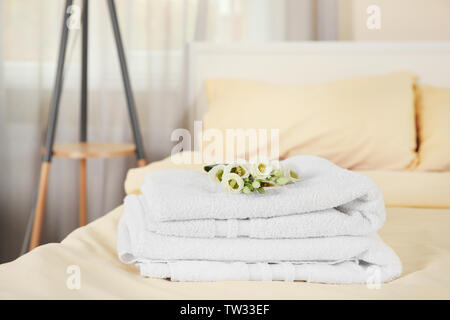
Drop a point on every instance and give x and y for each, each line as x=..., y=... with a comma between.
x=418, y=202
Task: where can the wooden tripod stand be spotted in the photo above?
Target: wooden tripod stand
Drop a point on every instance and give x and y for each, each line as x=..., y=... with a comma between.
x=81, y=150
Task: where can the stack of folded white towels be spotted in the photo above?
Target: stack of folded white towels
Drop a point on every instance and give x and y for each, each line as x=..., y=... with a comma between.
x=321, y=229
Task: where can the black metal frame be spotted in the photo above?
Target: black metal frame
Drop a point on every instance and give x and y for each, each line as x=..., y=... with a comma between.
x=126, y=81
x=84, y=71
x=56, y=97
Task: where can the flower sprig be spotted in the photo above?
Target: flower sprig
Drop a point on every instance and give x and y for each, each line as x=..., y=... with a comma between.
x=254, y=176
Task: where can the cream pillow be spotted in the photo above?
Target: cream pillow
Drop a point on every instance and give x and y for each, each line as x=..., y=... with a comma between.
x=433, y=121
x=362, y=123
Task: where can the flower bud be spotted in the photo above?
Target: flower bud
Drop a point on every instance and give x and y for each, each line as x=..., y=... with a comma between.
x=282, y=181
x=256, y=184
x=246, y=190
x=277, y=173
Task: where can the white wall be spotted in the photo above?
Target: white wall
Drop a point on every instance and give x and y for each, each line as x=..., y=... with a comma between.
x=401, y=20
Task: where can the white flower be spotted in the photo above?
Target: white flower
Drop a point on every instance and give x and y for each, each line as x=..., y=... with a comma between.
x=216, y=173
x=276, y=164
x=240, y=169
x=232, y=182
x=261, y=168
x=290, y=173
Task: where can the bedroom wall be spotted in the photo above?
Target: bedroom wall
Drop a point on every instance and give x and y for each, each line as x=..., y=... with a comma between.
x=401, y=20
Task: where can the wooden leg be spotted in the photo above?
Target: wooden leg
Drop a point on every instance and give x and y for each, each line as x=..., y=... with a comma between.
x=40, y=205
x=83, y=196
x=142, y=163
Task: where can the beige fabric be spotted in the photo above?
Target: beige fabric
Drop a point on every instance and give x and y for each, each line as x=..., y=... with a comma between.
x=419, y=236
x=433, y=122
x=361, y=123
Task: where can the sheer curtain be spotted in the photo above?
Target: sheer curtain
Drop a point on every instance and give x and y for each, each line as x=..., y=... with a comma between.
x=154, y=33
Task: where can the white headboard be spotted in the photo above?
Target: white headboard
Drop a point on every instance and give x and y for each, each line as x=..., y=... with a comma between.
x=312, y=62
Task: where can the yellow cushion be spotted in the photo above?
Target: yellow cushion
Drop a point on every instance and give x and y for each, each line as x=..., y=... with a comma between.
x=362, y=123
x=433, y=120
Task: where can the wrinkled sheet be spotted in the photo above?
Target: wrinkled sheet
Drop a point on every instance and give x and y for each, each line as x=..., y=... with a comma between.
x=419, y=236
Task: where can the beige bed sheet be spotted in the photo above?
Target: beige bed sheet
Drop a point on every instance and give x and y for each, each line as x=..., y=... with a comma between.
x=420, y=236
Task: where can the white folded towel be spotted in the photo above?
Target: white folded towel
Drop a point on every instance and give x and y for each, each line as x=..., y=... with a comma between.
x=344, y=272
x=321, y=229
x=341, y=259
x=329, y=201
x=324, y=223
x=173, y=195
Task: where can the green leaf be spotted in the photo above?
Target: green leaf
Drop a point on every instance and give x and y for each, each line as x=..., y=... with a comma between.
x=209, y=167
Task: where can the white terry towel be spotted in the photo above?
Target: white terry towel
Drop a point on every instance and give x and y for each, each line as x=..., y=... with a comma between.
x=184, y=194
x=341, y=259
x=328, y=201
x=344, y=272
x=323, y=223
